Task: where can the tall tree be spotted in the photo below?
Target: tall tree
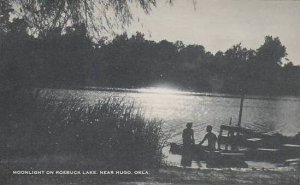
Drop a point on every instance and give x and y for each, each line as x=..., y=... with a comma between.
x=271, y=52
x=96, y=15
x=267, y=65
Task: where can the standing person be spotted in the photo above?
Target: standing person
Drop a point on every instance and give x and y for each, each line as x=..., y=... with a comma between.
x=211, y=139
x=188, y=135
x=188, y=142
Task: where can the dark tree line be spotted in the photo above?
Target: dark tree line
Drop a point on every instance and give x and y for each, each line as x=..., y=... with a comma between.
x=136, y=62
x=69, y=58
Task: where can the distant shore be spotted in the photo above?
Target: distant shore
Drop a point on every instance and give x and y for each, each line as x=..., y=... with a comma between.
x=183, y=92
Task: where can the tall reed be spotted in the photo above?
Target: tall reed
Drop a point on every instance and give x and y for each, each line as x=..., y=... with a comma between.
x=112, y=131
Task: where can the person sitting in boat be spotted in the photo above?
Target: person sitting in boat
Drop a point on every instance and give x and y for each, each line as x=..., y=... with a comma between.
x=211, y=139
x=188, y=136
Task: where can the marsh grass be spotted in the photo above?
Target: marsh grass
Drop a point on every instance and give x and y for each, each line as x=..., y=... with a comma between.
x=112, y=131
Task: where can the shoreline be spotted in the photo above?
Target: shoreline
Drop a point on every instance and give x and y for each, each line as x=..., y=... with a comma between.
x=89, y=172
x=165, y=175
x=181, y=92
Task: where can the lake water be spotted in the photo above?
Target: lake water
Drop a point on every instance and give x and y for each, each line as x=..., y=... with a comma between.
x=176, y=108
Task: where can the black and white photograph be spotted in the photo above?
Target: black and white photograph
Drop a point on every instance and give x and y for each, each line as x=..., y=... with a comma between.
x=149, y=92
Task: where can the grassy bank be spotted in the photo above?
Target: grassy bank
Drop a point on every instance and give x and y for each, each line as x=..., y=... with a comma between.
x=112, y=133
x=40, y=132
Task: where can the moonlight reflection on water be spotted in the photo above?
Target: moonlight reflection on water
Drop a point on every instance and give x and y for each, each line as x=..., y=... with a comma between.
x=176, y=108
x=160, y=90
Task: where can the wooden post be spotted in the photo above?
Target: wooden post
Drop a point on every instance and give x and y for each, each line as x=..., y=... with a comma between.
x=241, y=109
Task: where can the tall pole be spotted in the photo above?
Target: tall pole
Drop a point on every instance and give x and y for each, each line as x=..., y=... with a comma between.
x=241, y=109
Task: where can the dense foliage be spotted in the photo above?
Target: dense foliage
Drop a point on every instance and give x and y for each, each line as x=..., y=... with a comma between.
x=73, y=60
x=66, y=56
x=98, y=16
x=112, y=133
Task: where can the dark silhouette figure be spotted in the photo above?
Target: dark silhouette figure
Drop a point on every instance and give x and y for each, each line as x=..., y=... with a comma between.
x=188, y=135
x=211, y=139
x=188, y=143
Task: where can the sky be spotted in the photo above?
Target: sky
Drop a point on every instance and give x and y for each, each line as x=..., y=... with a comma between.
x=220, y=24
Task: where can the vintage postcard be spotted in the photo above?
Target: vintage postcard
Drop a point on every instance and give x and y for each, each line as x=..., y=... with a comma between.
x=149, y=92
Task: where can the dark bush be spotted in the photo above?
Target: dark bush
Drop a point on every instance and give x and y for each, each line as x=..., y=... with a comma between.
x=112, y=132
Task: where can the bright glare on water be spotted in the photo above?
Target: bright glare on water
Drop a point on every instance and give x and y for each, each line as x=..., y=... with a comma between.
x=176, y=108
x=159, y=90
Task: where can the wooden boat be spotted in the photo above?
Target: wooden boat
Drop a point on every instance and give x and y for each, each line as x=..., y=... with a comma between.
x=216, y=159
x=237, y=144
x=241, y=144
